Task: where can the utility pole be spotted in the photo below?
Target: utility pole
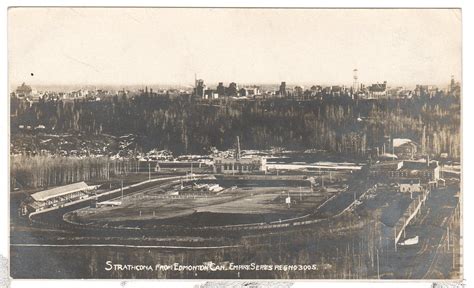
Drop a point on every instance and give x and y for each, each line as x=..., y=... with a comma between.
x=322, y=178
x=121, y=188
x=447, y=228
x=395, y=240
x=149, y=172
x=393, y=147
x=288, y=199
x=378, y=264
x=453, y=252
x=238, y=148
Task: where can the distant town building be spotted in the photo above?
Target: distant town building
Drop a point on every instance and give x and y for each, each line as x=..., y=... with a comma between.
x=421, y=91
x=426, y=171
x=454, y=88
x=199, y=88
x=239, y=166
x=378, y=90
x=232, y=89
x=253, y=90
x=385, y=169
x=282, y=90
x=210, y=94
x=221, y=89
x=336, y=90
x=399, y=93
x=23, y=90
x=409, y=185
x=298, y=92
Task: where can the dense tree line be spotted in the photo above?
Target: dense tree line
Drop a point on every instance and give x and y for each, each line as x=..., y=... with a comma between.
x=45, y=171
x=184, y=125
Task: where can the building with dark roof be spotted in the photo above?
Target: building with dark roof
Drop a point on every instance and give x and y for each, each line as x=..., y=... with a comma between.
x=282, y=91
x=23, y=90
x=199, y=88
x=221, y=89
x=239, y=165
x=378, y=90
x=426, y=172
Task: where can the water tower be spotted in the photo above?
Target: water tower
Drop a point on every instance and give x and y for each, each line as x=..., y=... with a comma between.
x=355, y=84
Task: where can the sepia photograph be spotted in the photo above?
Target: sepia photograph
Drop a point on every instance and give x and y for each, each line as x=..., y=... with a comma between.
x=235, y=143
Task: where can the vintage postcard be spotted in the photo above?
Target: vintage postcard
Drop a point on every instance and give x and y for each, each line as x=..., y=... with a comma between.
x=235, y=143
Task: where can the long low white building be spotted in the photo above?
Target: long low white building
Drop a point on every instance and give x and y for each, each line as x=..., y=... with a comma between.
x=56, y=197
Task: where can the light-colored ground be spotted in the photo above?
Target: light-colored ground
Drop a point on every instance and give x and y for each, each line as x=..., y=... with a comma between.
x=156, y=205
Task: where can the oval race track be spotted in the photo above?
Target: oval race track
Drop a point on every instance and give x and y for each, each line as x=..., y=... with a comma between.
x=336, y=206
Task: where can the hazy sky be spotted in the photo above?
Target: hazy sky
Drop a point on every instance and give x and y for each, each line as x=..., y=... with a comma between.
x=151, y=46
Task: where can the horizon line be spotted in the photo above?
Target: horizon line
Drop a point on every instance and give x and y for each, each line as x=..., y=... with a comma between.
x=191, y=85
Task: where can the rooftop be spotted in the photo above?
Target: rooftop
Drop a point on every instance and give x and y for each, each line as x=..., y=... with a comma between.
x=419, y=165
x=59, y=191
x=389, y=165
x=378, y=87
x=408, y=181
x=397, y=142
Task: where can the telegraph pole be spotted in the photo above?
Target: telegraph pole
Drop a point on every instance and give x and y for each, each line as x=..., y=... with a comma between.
x=288, y=200
x=395, y=240
x=149, y=172
x=322, y=178
x=378, y=264
x=447, y=228
x=121, y=188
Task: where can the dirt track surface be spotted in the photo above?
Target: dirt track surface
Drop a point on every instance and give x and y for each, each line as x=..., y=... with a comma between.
x=238, y=205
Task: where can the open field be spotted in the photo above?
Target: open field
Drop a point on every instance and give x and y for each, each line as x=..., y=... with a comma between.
x=231, y=206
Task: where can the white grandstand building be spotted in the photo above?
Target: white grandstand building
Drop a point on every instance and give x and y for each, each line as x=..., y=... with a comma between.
x=56, y=197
